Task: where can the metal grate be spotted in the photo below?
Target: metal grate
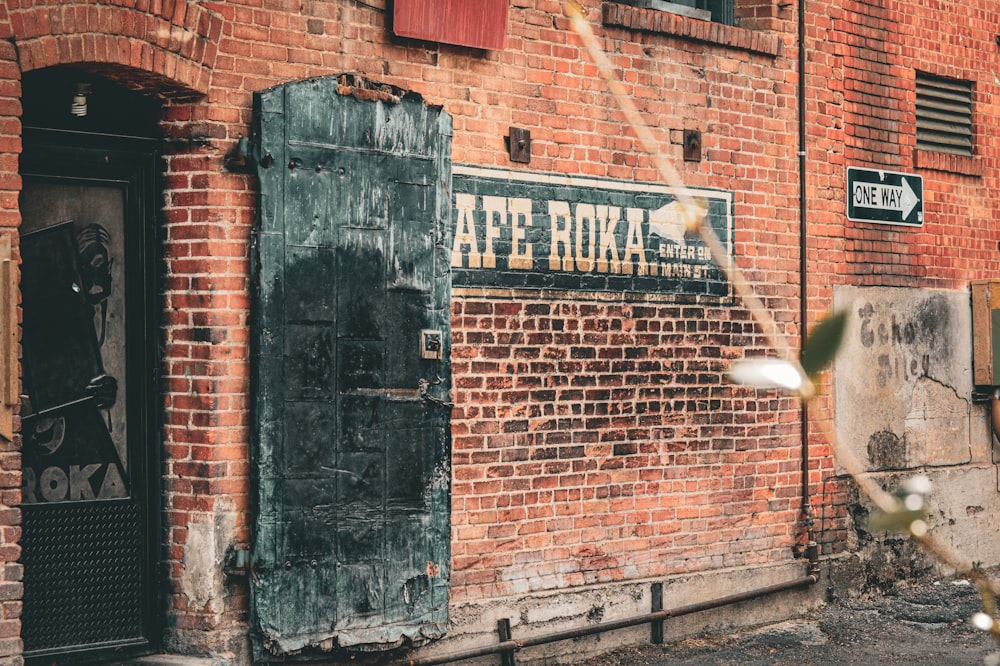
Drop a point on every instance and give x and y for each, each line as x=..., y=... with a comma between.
x=82, y=575
x=944, y=115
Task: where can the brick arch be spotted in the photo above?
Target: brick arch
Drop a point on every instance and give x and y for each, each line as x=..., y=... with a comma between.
x=10, y=130
x=165, y=47
x=5, y=32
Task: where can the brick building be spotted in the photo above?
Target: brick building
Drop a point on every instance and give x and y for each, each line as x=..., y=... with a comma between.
x=356, y=325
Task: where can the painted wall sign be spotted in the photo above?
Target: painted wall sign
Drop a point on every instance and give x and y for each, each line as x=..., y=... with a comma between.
x=888, y=197
x=534, y=232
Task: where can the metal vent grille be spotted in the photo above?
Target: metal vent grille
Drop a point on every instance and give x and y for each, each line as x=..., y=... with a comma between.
x=944, y=115
x=82, y=575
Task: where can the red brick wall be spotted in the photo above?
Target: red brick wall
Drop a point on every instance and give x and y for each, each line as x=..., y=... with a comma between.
x=863, y=63
x=205, y=386
x=170, y=44
x=593, y=441
x=861, y=112
x=578, y=423
x=597, y=442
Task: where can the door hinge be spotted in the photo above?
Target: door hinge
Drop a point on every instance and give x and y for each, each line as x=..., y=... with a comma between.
x=431, y=344
x=241, y=158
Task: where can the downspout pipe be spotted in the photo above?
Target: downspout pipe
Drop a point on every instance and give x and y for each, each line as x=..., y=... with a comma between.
x=803, y=260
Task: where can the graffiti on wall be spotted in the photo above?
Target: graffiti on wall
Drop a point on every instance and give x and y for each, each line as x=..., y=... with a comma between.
x=902, y=378
x=547, y=232
x=895, y=342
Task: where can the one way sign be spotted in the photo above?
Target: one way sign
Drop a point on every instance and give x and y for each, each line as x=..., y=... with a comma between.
x=888, y=197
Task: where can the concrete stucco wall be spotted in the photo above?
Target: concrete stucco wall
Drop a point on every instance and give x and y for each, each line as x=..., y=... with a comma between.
x=903, y=406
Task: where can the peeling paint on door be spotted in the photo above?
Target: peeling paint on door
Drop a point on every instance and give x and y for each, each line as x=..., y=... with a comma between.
x=351, y=427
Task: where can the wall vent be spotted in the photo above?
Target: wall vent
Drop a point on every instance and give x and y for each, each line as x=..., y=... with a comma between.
x=944, y=115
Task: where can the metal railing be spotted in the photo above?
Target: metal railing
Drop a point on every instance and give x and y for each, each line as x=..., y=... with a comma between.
x=508, y=645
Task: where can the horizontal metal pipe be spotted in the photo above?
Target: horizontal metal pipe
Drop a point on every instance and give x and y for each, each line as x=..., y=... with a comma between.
x=513, y=645
x=805, y=581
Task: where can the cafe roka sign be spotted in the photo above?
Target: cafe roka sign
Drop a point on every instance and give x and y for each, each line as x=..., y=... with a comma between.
x=536, y=232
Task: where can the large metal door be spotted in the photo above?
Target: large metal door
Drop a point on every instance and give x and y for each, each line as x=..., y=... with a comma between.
x=89, y=441
x=351, y=371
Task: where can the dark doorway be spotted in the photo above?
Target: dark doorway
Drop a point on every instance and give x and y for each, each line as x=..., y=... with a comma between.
x=91, y=453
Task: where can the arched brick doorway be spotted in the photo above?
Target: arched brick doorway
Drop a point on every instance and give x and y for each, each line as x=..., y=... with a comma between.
x=90, y=456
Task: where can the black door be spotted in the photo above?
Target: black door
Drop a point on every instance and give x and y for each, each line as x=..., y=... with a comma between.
x=89, y=458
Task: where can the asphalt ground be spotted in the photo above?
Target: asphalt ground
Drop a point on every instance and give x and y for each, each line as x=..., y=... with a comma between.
x=914, y=624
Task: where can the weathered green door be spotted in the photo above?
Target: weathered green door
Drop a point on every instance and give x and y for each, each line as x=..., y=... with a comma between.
x=351, y=378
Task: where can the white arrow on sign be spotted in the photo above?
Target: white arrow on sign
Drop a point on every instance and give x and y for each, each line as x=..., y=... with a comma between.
x=886, y=197
x=666, y=223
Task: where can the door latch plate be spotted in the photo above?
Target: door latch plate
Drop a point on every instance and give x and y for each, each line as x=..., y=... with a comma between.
x=431, y=344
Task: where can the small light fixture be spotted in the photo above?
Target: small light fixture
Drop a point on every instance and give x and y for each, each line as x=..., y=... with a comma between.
x=81, y=91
